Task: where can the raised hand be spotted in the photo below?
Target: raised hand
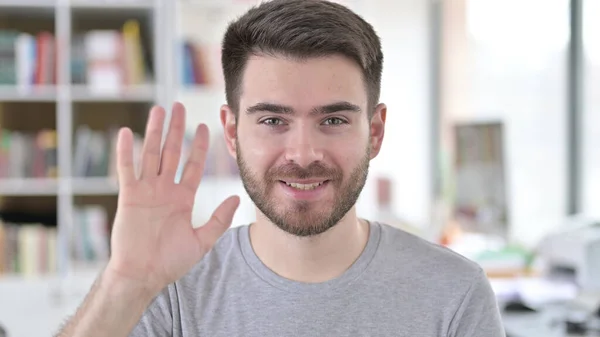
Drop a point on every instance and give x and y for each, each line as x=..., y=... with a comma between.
x=153, y=241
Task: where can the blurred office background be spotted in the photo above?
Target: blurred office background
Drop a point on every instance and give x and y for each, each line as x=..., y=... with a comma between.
x=492, y=148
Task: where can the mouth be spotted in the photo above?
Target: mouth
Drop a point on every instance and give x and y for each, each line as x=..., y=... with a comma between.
x=305, y=186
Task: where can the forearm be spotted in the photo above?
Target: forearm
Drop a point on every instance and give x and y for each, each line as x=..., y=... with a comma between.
x=112, y=308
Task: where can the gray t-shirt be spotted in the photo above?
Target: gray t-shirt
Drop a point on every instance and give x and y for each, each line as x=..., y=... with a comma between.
x=401, y=285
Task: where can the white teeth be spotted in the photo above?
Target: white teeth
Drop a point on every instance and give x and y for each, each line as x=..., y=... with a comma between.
x=304, y=186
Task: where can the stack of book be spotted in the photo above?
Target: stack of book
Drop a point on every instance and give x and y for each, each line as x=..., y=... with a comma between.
x=28, y=155
x=27, y=60
x=108, y=60
x=27, y=249
x=90, y=236
x=95, y=152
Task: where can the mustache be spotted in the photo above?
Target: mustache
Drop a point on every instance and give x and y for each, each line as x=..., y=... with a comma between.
x=315, y=169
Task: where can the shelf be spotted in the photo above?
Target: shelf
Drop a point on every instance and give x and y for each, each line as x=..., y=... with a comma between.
x=83, y=93
x=9, y=93
x=113, y=4
x=219, y=4
x=200, y=91
x=48, y=187
x=28, y=187
x=27, y=3
x=95, y=186
x=79, y=93
x=243, y=4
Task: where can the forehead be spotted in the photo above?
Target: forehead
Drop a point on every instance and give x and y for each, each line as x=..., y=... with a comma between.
x=302, y=83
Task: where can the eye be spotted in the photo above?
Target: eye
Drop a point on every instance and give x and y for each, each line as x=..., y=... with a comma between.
x=272, y=121
x=334, y=121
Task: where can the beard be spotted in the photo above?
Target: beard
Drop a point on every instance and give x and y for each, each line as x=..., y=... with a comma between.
x=300, y=219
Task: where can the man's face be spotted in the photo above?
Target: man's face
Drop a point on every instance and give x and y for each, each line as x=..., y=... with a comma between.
x=302, y=140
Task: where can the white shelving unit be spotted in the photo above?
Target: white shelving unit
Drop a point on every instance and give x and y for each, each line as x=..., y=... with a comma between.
x=46, y=299
x=112, y=4
x=32, y=4
x=141, y=93
x=16, y=94
x=28, y=187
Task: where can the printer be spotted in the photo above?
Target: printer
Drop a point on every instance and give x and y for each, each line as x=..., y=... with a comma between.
x=573, y=253
x=570, y=258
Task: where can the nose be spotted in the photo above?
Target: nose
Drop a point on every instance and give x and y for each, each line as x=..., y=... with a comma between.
x=304, y=146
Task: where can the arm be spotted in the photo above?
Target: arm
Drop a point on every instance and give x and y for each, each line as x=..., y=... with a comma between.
x=478, y=314
x=112, y=308
x=153, y=242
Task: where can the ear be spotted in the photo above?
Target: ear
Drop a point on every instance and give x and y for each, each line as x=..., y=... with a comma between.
x=377, y=129
x=228, y=121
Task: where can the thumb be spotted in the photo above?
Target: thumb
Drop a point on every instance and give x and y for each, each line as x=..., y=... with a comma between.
x=218, y=223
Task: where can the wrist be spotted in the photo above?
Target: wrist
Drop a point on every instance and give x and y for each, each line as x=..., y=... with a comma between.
x=121, y=284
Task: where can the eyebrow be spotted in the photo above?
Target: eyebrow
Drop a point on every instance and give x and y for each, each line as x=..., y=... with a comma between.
x=320, y=110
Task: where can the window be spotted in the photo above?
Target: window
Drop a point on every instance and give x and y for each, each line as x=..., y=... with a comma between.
x=506, y=63
x=590, y=152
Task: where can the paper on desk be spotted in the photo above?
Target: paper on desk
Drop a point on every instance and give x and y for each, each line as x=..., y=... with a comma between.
x=533, y=291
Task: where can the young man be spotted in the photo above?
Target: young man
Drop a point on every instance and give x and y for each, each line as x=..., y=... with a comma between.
x=303, y=122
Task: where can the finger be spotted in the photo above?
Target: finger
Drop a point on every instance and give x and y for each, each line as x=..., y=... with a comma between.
x=171, y=152
x=152, y=143
x=219, y=222
x=125, y=168
x=194, y=168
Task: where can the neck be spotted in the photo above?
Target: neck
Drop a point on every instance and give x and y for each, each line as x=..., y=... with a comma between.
x=310, y=259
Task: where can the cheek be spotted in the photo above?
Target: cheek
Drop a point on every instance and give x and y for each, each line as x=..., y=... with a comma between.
x=258, y=152
x=347, y=155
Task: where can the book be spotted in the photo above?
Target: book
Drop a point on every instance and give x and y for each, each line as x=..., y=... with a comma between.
x=110, y=60
x=27, y=249
x=28, y=154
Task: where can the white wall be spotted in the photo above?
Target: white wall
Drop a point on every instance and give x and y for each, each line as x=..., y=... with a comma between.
x=517, y=74
x=403, y=26
x=591, y=144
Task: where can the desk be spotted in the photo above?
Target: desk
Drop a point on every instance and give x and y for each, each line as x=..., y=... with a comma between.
x=546, y=323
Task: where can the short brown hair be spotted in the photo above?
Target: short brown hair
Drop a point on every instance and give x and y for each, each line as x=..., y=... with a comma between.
x=301, y=29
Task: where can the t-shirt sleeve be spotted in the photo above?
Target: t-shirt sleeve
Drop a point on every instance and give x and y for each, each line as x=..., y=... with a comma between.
x=478, y=314
x=157, y=320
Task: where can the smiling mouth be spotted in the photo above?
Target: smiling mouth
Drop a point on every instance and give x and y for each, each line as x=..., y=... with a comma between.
x=305, y=186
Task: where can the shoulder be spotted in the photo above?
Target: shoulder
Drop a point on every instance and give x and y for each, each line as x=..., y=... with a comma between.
x=223, y=257
x=426, y=260
x=435, y=274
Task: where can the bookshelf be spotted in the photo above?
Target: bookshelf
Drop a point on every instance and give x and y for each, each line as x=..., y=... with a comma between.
x=71, y=73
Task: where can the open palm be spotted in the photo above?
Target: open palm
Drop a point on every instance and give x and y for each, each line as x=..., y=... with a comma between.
x=153, y=240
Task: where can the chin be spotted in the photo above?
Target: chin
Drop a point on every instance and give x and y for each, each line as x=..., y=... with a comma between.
x=303, y=213
x=302, y=230
x=304, y=220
